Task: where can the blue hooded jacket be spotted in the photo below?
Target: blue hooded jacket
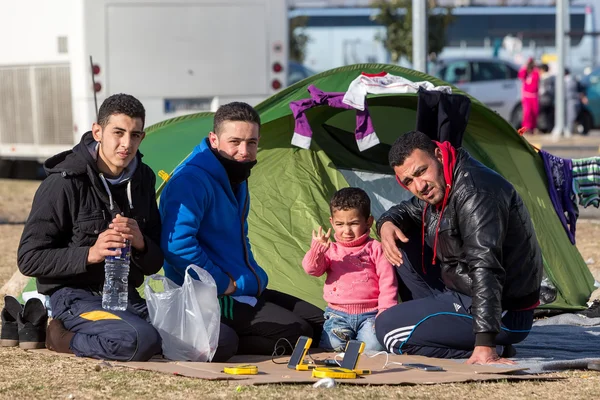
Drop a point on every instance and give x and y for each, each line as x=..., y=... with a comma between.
x=205, y=223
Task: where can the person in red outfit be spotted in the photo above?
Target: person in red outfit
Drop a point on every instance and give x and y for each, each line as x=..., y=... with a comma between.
x=530, y=77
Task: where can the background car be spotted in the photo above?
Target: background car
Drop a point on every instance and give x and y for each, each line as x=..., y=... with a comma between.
x=492, y=81
x=297, y=72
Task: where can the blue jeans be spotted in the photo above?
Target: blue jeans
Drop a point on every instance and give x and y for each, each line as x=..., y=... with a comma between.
x=106, y=335
x=339, y=327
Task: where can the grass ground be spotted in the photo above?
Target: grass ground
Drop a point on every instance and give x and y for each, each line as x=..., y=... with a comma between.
x=37, y=376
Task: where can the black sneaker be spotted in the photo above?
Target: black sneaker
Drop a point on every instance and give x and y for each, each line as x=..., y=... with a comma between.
x=10, y=332
x=32, y=324
x=593, y=311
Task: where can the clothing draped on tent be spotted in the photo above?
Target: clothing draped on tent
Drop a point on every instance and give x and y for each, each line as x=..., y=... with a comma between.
x=364, y=132
x=560, y=189
x=443, y=116
x=586, y=181
x=571, y=182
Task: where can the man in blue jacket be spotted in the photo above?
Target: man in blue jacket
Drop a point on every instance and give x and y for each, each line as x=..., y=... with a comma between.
x=204, y=209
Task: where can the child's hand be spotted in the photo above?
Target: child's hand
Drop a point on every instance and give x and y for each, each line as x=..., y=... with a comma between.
x=323, y=239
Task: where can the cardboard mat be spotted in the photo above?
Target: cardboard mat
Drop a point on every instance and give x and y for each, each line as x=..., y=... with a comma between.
x=276, y=371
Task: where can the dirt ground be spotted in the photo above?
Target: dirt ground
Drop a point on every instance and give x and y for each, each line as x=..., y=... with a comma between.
x=27, y=375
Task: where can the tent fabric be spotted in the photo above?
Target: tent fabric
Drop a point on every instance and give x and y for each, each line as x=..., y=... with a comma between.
x=290, y=187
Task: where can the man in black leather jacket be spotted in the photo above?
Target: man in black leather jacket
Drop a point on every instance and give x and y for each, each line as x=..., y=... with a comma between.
x=479, y=298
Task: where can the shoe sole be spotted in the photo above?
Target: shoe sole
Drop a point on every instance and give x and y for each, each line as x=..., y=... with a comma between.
x=8, y=343
x=32, y=345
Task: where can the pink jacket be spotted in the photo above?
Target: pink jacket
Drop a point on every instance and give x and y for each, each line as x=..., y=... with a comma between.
x=531, y=82
x=359, y=278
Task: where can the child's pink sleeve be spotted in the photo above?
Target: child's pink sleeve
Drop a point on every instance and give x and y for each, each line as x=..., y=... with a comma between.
x=316, y=262
x=388, y=283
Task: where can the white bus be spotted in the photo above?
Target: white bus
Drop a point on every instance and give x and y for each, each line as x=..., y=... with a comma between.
x=175, y=56
x=342, y=36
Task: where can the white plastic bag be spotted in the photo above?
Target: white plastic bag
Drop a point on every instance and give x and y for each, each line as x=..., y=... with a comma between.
x=187, y=317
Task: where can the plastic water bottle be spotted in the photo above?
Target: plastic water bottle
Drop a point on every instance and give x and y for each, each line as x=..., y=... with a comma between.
x=116, y=274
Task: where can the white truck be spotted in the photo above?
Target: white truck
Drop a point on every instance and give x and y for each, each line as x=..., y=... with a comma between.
x=175, y=56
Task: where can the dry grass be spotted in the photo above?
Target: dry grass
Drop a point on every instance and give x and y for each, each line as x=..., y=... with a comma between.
x=28, y=375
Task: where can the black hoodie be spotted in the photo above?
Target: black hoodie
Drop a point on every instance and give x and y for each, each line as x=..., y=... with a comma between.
x=71, y=208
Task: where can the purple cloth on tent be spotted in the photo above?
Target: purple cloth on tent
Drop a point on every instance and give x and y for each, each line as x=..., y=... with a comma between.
x=364, y=132
x=559, y=172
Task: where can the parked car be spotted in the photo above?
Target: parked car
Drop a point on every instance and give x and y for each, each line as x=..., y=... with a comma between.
x=492, y=81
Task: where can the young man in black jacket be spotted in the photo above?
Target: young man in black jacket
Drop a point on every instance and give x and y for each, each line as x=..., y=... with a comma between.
x=95, y=197
x=487, y=282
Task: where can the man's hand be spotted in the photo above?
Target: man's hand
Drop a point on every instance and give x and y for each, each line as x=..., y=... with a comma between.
x=107, y=240
x=231, y=288
x=129, y=229
x=487, y=355
x=323, y=239
x=389, y=233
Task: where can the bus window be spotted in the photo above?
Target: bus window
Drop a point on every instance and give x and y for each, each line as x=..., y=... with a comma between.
x=473, y=29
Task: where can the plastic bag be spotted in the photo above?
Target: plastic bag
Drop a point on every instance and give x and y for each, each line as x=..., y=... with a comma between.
x=548, y=292
x=187, y=317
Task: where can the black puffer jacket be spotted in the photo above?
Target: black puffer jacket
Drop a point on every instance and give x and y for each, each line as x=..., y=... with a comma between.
x=71, y=208
x=487, y=247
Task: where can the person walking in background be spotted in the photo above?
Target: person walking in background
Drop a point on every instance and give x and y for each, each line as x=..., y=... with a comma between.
x=573, y=99
x=530, y=77
x=545, y=121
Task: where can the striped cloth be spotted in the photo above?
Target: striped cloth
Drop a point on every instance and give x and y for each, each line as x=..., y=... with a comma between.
x=586, y=181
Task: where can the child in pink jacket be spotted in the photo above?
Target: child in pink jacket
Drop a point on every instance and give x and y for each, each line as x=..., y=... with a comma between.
x=360, y=283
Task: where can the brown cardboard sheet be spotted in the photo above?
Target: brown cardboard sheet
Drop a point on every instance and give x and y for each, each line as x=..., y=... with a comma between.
x=393, y=374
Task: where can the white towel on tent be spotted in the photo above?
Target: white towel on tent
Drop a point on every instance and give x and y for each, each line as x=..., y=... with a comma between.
x=383, y=83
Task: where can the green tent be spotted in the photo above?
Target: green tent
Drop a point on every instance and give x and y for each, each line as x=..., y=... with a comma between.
x=291, y=187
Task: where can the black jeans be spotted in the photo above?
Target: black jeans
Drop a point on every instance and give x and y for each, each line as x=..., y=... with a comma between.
x=228, y=344
x=275, y=316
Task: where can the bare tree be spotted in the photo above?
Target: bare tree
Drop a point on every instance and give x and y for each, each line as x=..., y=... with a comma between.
x=396, y=17
x=298, y=38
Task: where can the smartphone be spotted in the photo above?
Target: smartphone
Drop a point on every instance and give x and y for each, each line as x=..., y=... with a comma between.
x=354, y=348
x=330, y=362
x=424, y=367
x=302, y=346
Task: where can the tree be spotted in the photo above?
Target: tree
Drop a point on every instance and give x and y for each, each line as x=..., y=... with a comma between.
x=298, y=38
x=396, y=17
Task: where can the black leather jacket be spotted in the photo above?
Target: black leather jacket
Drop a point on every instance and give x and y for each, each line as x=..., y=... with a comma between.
x=487, y=247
